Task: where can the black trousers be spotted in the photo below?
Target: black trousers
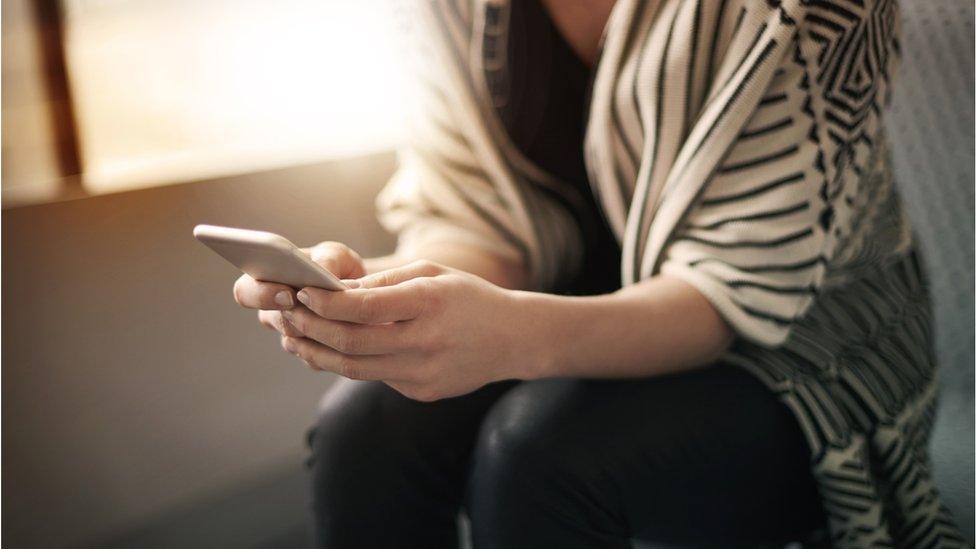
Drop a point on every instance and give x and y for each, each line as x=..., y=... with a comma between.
x=702, y=459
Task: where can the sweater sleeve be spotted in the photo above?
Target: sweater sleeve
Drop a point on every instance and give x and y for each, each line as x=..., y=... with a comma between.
x=454, y=183
x=761, y=236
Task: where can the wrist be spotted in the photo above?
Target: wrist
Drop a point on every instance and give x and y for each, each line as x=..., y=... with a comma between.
x=544, y=333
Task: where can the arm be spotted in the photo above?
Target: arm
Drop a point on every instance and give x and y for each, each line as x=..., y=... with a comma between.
x=434, y=332
x=659, y=326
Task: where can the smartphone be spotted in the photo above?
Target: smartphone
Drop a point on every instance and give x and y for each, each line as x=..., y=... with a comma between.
x=267, y=257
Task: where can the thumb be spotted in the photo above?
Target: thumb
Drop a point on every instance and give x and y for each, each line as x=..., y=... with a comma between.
x=390, y=277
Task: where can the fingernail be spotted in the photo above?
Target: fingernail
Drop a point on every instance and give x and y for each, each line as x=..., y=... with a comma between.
x=287, y=314
x=303, y=297
x=284, y=299
x=351, y=283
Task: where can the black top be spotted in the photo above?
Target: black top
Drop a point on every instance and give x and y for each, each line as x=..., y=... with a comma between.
x=544, y=113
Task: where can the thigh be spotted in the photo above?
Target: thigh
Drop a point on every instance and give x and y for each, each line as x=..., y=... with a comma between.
x=389, y=471
x=367, y=427
x=708, y=458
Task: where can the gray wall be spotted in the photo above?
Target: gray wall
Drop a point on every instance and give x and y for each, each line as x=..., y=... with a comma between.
x=133, y=386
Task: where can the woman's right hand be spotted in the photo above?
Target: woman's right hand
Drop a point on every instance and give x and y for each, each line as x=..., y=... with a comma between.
x=271, y=298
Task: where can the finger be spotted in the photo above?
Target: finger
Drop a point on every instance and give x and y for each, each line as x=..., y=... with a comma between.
x=256, y=294
x=322, y=357
x=410, y=271
x=338, y=259
x=370, y=306
x=265, y=318
x=275, y=321
x=350, y=338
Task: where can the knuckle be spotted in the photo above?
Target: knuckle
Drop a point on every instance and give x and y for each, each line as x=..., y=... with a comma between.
x=427, y=267
x=326, y=248
x=367, y=308
x=334, y=254
x=326, y=252
x=355, y=343
x=347, y=341
x=335, y=337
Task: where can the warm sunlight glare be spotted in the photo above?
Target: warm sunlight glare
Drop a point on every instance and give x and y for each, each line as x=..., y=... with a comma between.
x=174, y=90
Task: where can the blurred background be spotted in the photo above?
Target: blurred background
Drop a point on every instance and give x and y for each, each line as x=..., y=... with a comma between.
x=141, y=407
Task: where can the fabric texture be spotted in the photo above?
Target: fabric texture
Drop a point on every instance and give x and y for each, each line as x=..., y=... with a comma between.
x=739, y=145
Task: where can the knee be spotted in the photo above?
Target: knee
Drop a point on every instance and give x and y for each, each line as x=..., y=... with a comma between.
x=537, y=473
x=342, y=444
x=519, y=462
x=332, y=441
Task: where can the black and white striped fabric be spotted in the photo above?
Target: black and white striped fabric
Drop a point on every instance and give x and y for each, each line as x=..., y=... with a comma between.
x=738, y=145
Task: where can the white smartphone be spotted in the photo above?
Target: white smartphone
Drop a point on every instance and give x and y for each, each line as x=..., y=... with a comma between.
x=267, y=257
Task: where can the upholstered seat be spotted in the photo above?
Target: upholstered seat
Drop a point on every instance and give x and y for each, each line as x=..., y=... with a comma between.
x=931, y=130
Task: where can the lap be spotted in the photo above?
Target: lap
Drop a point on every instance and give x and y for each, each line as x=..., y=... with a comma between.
x=667, y=455
x=367, y=420
x=387, y=471
x=671, y=458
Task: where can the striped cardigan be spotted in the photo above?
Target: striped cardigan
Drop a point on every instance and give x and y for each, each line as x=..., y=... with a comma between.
x=738, y=145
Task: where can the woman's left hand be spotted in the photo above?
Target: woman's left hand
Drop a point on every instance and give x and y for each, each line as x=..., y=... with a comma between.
x=428, y=331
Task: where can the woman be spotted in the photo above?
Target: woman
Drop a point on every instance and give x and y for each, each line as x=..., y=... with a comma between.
x=666, y=291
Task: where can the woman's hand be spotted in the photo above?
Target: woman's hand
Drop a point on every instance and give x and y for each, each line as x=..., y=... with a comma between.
x=270, y=298
x=428, y=331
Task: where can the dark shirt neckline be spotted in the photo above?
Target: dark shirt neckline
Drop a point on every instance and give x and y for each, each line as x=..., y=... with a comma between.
x=544, y=109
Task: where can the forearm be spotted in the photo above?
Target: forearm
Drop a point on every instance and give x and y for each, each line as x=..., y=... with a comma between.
x=507, y=274
x=659, y=326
